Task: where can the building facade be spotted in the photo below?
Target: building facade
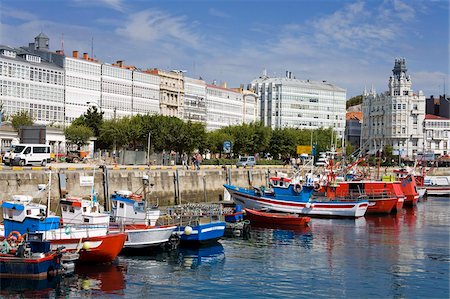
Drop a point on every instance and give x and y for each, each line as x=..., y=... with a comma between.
x=28, y=83
x=194, y=100
x=438, y=106
x=394, y=117
x=250, y=109
x=83, y=85
x=289, y=102
x=171, y=96
x=437, y=135
x=224, y=107
x=353, y=122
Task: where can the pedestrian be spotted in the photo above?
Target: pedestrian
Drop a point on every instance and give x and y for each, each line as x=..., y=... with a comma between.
x=184, y=160
x=198, y=160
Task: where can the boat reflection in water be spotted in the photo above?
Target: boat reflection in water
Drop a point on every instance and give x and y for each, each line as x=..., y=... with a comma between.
x=107, y=278
x=194, y=257
x=36, y=288
x=274, y=234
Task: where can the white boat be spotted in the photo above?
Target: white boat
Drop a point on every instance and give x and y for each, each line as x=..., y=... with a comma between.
x=140, y=234
x=21, y=216
x=437, y=185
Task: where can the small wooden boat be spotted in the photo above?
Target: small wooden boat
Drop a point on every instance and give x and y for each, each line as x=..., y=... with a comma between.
x=276, y=218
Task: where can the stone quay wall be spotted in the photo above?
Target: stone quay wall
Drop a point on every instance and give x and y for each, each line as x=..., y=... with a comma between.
x=167, y=186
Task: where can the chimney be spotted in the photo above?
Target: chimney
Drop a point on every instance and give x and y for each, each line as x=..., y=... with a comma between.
x=119, y=63
x=75, y=54
x=85, y=56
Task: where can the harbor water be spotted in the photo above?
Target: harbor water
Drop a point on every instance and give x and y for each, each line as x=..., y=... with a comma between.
x=395, y=256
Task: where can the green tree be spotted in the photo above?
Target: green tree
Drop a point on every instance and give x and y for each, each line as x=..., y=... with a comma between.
x=78, y=134
x=356, y=100
x=21, y=118
x=91, y=118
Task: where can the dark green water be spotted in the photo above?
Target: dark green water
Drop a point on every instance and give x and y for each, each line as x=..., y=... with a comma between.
x=397, y=256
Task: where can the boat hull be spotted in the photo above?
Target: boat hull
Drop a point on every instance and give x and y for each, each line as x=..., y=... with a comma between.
x=411, y=200
x=382, y=206
x=312, y=208
x=30, y=268
x=143, y=236
x=202, y=233
x=100, y=249
x=276, y=218
x=437, y=190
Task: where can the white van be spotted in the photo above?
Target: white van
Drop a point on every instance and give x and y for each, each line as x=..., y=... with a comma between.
x=24, y=154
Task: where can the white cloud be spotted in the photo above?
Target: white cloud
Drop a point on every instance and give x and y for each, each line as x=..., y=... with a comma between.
x=158, y=26
x=218, y=13
x=22, y=15
x=118, y=5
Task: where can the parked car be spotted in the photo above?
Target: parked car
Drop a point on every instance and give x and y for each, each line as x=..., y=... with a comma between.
x=246, y=161
x=24, y=154
x=73, y=157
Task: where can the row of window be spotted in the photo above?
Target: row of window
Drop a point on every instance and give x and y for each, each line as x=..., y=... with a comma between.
x=82, y=67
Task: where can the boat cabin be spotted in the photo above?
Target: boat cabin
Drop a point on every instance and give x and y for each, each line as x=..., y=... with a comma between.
x=129, y=208
x=22, y=215
x=280, y=182
x=75, y=210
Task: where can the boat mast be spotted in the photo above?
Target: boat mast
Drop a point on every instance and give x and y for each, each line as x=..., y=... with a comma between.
x=49, y=192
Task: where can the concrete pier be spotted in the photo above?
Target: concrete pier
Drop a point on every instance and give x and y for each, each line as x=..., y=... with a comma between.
x=169, y=185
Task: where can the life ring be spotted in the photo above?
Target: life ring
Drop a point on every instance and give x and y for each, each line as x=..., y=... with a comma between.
x=316, y=187
x=298, y=188
x=16, y=234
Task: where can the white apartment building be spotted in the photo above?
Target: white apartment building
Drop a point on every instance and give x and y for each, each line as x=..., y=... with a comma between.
x=83, y=85
x=224, y=107
x=437, y=135
x=394, y=117
x=305, y=104
x=27, y=83
x=250, y=111
x=145, y=93
x=116, y=97
x=194, y=100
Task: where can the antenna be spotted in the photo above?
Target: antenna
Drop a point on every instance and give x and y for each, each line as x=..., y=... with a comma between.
x=62, y=42
x=92, y=47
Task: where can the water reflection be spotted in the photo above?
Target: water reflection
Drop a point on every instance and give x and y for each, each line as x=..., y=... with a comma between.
x=192, y=258
x=107, y=278
x=33, y=288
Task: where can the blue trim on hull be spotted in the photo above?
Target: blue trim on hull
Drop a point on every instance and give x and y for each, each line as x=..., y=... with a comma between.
x=206, y=233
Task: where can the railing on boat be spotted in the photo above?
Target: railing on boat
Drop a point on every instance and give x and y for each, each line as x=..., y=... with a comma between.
x=191, y=214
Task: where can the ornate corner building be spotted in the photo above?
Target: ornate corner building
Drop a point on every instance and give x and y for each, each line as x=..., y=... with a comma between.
x=395, y=117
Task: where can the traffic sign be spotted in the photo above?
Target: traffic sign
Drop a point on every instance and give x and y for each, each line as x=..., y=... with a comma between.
x=227, y=147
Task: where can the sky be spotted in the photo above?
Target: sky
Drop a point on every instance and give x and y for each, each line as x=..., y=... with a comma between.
x=352, y=44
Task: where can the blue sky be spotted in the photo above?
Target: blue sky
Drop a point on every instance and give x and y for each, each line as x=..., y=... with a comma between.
x=352, y=44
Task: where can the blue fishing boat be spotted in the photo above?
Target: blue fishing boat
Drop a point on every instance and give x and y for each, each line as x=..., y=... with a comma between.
x=293, y=196
x=30, y=259
x=197, y=224
x=201, y=233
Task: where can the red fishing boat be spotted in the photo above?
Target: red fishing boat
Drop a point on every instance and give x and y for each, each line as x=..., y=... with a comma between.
x=409, y=187
x=383, y=197
x=99, y=249
x=281, y=219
